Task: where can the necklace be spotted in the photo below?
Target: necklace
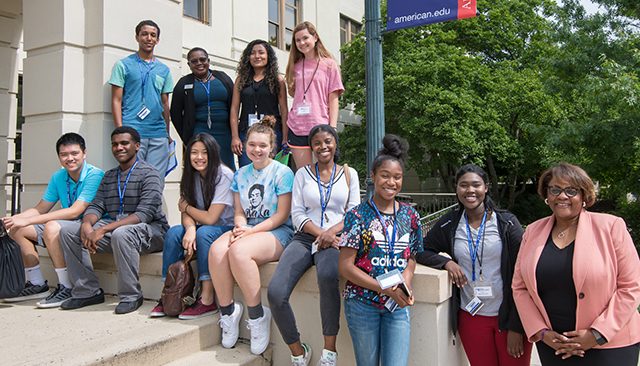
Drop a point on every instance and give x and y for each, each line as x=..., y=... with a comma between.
x=563, y=233
x=205, y=78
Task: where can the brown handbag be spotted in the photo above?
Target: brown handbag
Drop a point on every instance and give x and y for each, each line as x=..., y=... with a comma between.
x=177, y=293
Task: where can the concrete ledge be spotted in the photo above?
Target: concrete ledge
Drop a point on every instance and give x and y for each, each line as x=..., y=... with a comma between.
x=240, y=355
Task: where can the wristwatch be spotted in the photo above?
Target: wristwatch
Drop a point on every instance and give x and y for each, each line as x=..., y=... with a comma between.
x=600, y=340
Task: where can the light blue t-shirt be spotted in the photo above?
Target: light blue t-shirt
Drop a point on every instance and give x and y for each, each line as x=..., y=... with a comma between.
x=62, y=188
x=259, y=189
x=130, y=73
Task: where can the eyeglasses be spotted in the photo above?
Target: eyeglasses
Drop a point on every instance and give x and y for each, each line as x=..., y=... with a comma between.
x=201, y=60
x=569, y=191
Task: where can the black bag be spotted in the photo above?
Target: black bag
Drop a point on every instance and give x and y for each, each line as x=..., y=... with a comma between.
x=11, y=267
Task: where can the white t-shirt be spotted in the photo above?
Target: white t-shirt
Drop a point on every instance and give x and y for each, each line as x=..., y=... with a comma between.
x=222, y=196
x=305, y=204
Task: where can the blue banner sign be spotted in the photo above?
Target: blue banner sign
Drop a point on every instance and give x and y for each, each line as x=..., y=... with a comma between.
x=412, y=13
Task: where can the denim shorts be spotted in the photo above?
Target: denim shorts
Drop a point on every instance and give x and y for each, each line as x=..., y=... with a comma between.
x=283, y=233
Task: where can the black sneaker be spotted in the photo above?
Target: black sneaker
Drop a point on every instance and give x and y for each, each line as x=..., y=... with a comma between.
x=77, y=303
x=56, y=298
x=125, y=307
x=31, y=292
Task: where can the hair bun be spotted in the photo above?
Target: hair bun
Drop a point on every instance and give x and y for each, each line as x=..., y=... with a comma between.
x=394, y=146
x=268, y=121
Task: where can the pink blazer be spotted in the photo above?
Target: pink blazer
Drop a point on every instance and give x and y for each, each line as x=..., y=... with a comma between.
x=606, y=273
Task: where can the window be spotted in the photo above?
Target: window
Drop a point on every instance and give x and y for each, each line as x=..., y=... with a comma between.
x=283, y=17
x=348, y=30
x=197, y=9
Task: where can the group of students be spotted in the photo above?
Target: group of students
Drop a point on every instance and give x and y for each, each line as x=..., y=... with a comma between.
x=236, y=221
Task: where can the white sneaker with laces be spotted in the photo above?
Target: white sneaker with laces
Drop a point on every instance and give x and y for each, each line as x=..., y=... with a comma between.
x=329, y=358
x=260, y=330
x=230, y=325
x=302, y=360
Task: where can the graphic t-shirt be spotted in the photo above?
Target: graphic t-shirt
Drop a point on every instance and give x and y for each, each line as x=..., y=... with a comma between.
x=364, y=231
x=259, y=189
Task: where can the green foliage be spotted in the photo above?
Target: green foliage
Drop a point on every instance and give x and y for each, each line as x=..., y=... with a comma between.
x=524, y=85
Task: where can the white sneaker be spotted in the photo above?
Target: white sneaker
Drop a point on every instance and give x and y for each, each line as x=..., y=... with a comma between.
x=260, y=330
x=302, y=360
x=329, y=358
x=230, y=325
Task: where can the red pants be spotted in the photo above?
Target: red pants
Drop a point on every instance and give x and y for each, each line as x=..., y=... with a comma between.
x=485, y=344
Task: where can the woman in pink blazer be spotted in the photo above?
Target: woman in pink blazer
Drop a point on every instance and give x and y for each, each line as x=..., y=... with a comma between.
x=576, y=283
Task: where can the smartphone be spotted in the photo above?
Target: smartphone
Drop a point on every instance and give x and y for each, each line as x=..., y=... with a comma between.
x=403, y=286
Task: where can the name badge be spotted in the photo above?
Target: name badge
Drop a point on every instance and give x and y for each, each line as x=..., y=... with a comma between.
x=121, y=216
x=144, y=112
x=254, y=118
x=391, y=305
x=482, y=289
x=188, y=86
x=314, y=247
x=390, y=279
x=304, y=109
x=474, y=306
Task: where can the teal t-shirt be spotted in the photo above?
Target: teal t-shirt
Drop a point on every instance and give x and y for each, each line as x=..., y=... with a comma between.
x=143, y=84
x=62, y=188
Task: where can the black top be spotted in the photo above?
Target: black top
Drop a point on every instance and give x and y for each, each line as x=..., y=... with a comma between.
x=258, y=94
x=554, y=276
x=441, y=238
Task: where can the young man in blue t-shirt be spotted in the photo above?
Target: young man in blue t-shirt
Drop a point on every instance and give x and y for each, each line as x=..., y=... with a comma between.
x=140, y=87
x=75, y=186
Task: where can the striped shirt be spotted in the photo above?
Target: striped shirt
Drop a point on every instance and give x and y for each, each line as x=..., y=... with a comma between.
x=143, y=196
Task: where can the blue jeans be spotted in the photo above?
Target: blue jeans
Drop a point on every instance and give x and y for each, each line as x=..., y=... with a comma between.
x=379, y=337
x=173, y=251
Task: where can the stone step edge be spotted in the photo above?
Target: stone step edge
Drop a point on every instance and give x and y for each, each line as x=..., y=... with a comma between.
x=240, y=355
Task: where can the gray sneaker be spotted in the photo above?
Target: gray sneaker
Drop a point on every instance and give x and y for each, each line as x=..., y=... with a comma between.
x=57, y=297
x=31, y=292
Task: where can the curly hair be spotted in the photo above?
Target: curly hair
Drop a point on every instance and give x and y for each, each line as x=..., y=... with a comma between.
x=245, y=70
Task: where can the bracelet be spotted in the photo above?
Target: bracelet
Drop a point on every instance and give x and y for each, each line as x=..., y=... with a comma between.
x=544, y=331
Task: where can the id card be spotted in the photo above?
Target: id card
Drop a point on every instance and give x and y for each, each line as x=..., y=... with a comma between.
x=304, y=109
x=121, y=216
x=391, y=305
x=474, y=306
x=482, y=290
x=314, y=247
x=254, y=118
x=390, y=279
x=144, y=112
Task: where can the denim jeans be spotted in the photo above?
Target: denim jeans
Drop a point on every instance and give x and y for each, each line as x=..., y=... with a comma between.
x=173, y=251
x=379, y=337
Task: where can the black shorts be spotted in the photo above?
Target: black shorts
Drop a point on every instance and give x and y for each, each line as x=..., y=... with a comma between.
x=295, y=141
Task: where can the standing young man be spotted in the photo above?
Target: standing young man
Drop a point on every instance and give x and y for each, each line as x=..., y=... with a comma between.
x=125, y=218
x=140, y=87
x=75, y=186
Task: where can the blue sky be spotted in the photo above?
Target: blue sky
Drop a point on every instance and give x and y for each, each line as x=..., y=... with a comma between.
x=589, y=6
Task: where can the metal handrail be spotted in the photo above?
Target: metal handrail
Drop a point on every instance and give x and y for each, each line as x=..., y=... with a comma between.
x=427, y=221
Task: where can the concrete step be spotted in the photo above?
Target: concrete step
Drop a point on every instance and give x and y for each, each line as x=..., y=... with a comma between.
x=240, y=355
x=96, y=336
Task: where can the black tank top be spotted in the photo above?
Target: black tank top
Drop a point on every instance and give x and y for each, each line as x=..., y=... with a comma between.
x=258, y=94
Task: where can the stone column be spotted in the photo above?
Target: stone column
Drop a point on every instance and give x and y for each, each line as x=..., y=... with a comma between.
x=71, y=47
x=10, y=37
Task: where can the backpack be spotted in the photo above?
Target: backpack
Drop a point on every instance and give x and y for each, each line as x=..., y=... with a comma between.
x=177, y=293
x=12, y=278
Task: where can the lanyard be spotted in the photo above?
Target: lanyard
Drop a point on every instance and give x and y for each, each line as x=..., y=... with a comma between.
x=306, y=89
x=324, y=200
x=144, y=75
x=390, y=241
x=473, y=248
x=72, y=197
x=207, y=90
x=255, y=94
x=122, y=190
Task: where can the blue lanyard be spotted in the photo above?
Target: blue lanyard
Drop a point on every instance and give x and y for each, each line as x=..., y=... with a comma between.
x=324, y=200
x=390, y=241
x=207, y=90
x=144, y=75
x=473, y=248
x=70, y=197
x=122, y=190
